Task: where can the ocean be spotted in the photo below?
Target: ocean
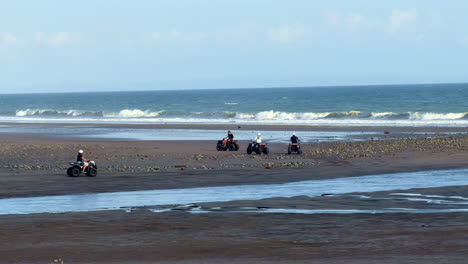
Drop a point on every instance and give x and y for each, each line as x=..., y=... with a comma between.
x=391, y=105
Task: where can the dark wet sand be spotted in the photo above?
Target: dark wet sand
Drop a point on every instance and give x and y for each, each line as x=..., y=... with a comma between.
x=31, y=166
x=178, y=237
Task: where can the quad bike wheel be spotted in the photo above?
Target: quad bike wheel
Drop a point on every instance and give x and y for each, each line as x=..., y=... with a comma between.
x=249, y=150
x=289, y=151
x=219, y=148
x=75, y=172
x=266, y=150
x=236, y=147
x=92, y=172
x=69, y=172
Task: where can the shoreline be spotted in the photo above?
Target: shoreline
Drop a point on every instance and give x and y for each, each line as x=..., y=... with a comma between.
x=265, y=127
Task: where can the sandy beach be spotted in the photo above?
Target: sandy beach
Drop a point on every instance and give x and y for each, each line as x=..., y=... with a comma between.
x=34, y=165
x=222, y=132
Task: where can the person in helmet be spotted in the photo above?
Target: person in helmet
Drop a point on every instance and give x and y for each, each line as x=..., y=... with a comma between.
x=258, y=139
x=230, y=136
x=294, y=139
x=83, y=160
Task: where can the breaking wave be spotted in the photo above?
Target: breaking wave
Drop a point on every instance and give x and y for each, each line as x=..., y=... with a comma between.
x=135, y=113
x=58, y=113
x=276, y=116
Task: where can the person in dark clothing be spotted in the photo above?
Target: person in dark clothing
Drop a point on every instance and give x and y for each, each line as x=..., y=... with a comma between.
x=82, y=159
x=294, y=139
x=230, y=136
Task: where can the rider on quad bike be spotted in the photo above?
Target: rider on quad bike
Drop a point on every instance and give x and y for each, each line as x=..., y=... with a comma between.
x=82, y=165
x=294, y=139
x=257, y=146
x=258, y=140
x=294, y=145
x=227, y=143
x=82, y=159
x=230, y=136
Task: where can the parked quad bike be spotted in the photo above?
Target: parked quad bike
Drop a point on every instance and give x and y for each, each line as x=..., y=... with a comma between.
x=226, y=144
x=294, y=148
x=258, y=148
x=77, y=168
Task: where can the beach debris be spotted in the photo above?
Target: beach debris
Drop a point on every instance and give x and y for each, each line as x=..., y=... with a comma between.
x=269, y=165
x=199, y=157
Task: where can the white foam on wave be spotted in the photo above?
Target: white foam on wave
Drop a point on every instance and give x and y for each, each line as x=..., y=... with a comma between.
x=135, y=113
x=350, y=118
x=436, y=116
x=276, y=115
x=51, y=112
x=383, y=114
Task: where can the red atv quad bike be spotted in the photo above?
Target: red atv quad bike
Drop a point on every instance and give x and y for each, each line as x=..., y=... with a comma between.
x=257, y=148
x=226, y=144
x=294, y=148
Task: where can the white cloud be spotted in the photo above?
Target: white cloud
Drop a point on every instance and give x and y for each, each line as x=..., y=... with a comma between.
x=58, y=39
x=8, y=39
x=244, y=31
x=399, y=18
x=178, y=36
x=350, y=22
x=287, y=33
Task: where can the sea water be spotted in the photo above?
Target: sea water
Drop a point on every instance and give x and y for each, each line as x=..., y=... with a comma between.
x=398, y=105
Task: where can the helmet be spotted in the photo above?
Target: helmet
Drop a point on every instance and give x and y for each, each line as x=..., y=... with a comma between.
x=259, y=134
x=80, y=151
x=294, y=134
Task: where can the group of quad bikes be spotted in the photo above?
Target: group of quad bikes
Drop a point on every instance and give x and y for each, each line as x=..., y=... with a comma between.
x=76, y=168
x=253, y=147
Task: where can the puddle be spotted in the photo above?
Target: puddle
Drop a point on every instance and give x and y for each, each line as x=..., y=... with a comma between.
x=430, y=196
x=119, y=200
x=347, y=211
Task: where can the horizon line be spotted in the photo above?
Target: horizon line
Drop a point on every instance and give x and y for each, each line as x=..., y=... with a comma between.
x=252, y=88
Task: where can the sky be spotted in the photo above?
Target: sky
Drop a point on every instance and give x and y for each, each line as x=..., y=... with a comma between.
x=106, y=45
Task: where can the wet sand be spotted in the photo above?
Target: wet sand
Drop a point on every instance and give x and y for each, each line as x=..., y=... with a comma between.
x=32, y=166
x=179, y=237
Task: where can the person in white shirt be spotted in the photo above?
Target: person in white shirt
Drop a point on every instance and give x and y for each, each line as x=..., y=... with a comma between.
x=258, y=139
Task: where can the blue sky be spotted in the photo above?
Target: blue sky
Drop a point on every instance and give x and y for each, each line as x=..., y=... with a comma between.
x=52, y=46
